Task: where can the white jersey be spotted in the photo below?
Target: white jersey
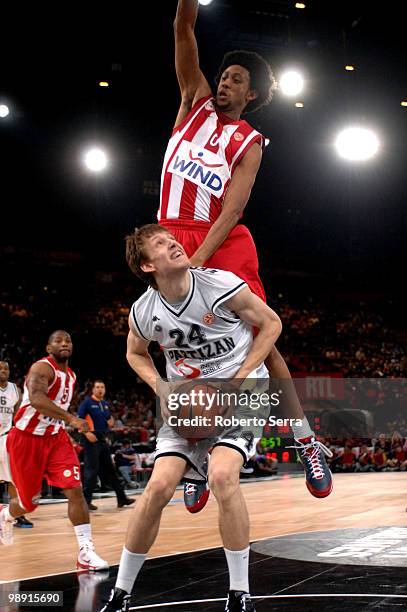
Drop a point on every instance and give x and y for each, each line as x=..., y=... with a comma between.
x=9, y=397
x=201, y=337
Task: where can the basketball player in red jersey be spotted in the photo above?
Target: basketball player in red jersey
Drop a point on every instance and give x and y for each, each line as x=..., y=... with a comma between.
x=209, y=169
x=39, y=447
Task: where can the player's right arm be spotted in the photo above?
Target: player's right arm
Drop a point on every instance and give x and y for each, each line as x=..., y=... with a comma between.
x=140, y=359
x=40, y=377
x=192, y=83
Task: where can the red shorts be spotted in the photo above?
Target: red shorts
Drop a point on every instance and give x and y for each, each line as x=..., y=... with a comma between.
x=236, y=254
x=33, y=458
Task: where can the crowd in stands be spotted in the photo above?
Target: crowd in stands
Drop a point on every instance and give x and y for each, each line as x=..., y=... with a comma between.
x=381, y=454
x=350, y=338
x=353, y=337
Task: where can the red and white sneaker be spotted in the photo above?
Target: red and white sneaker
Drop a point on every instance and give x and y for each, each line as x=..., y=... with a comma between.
x=196, y=494
x=318, y=477
x=89, y=560
x=6, y=527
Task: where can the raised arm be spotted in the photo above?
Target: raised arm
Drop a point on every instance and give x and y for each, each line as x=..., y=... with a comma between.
x=193, y=85
x=236, y=198
x=254, y=311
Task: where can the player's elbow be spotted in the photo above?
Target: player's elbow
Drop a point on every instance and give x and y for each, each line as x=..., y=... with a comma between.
x=277, y=323
x=129, y=356
x=272, y=326
x=36, y=397
x=182, y=28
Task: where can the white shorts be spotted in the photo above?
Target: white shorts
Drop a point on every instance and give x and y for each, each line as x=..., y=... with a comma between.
x=5, y=472
x=171, y=444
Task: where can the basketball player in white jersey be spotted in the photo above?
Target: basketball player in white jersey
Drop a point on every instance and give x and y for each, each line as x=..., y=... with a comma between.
x=39, y=447
x=10, y=400
x=209, y=169
x=203, y=320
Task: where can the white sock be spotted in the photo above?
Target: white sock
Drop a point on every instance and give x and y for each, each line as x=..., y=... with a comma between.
x=130, y=565
x=83, y=533
x=7, y=515
x=238, y=564
x=302, y=431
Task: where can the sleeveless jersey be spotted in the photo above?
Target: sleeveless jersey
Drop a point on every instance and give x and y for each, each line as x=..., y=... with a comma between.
x=60, y=391
x=202, y=154
x=202, y=337
x=8, y=399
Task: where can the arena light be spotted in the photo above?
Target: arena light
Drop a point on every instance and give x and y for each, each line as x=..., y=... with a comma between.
x=299, y=104
x=205, y=2
x=4, y=111
x=299, y=5
x=403, y=103
x=95, y=159
x=357, y=144
x=291, y=83
x=103, y=84
x=349, y=67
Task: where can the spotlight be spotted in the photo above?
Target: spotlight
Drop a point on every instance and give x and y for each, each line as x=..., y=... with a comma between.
x=205, y=2
x=103, y=84
x=291, y=83
x=95, y=160
x=4, y=111
x=357, y=144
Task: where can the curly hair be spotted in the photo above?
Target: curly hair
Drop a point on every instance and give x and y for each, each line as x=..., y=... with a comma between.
x=136, y=253
x=261, y=76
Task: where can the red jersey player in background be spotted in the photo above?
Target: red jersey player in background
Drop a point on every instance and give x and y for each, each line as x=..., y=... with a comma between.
x=209, y=169
x=39, y=447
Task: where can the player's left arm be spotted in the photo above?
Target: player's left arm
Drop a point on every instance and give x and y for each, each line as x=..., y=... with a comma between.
x=255, y=312
x=236, y=198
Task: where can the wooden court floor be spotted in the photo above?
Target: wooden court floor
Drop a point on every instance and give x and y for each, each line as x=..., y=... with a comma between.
x=276, y=507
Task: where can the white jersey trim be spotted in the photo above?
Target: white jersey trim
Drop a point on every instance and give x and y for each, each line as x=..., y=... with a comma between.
x=136, y=325
x=226, y=296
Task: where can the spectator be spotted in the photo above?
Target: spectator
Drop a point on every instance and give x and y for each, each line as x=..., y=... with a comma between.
x=364, y=462
x=379, y=459
x=348, y=459
x=382, y=443
x=397, y=459
x=125, y=460
x=95, y=409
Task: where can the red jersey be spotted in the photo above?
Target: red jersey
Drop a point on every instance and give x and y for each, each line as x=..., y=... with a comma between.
x=202, y=154
x=60, y=391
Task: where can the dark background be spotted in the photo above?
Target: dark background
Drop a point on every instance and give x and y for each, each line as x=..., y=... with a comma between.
x=313, y=209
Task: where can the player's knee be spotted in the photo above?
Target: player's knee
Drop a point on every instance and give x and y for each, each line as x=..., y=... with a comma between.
x=222, y=482
x=75, y=494
x=159, y=492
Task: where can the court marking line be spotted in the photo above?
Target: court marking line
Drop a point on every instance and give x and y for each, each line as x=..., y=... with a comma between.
x=185, y=553
x=292, y=586
x=297, y=596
